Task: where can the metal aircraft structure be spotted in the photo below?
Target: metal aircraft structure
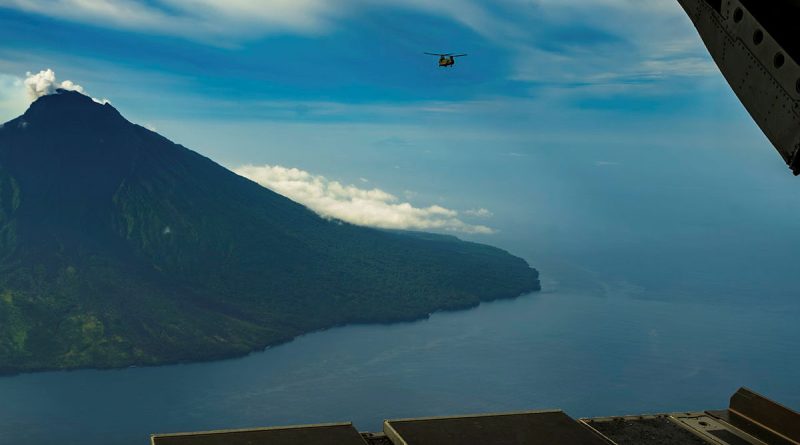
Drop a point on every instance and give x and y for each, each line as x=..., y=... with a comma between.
x=756, y=46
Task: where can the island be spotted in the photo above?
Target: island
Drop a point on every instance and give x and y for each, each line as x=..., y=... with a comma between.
x=121, y=248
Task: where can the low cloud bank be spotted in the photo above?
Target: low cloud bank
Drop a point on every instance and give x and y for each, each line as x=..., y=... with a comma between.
x=373, y=207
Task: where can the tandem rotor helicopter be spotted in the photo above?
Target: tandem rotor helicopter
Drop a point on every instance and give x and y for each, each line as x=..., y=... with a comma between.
x=446, y=60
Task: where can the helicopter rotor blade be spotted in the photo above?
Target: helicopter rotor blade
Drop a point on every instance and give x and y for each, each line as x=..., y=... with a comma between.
x=438, y=54
x=460, y=55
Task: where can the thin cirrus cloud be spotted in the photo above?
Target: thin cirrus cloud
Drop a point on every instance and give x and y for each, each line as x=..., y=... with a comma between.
x=479, y=213
x=571, y=48
x=232, y=18
x=563, y=54
x=191, y=18
x=365, y=207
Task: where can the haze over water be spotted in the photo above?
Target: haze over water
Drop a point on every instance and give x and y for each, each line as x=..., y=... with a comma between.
x=606, y=144
x=681, y=295
x=591, y=353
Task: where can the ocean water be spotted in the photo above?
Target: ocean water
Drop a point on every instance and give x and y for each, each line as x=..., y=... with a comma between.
x=589, y=346
x=669, y=267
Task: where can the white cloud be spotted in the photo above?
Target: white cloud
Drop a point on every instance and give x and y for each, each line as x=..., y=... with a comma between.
x=479, y=213
x=639, y=45
x=656, y=39
x=44, y=83
x=212, y=19
x=203, y=18
x=373, y=207
x=663, y=6
x=651, y=44
x=684, y=66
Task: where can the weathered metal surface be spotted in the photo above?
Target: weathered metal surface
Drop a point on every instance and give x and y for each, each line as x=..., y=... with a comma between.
x=659, y=429
x=530, y=428
x=376, y=439
x=714, y=431
x=763, y=73
x=326, y=434
x=751, y=420
x=761, y=417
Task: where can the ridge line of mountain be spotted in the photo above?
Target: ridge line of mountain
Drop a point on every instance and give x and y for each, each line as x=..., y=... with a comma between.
x=120, y=248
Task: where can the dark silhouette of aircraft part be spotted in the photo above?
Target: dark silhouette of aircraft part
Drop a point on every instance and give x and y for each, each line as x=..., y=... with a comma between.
x=755, y=45
x=751, y=419
x=446, y=60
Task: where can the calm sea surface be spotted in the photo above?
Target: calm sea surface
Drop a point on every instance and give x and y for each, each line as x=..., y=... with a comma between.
x=589, y=346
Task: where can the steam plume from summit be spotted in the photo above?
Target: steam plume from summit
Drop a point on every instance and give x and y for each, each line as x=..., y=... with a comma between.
x=44, y=82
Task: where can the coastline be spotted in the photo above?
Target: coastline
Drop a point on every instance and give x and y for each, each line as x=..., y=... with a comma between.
x=4, y=373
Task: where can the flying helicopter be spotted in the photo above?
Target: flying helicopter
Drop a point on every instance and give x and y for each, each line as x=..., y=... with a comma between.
x=446, y=60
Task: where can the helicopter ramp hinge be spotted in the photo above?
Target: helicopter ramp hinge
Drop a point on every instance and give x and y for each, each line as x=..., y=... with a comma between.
x=762, y=418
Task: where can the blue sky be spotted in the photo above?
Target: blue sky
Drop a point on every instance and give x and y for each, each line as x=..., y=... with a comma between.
x=295, y=59
x=360, y=60
x=594, y=138
x=572, y=123
x=365, y=52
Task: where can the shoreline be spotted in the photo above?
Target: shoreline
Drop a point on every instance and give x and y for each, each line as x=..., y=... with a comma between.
x=411, y=319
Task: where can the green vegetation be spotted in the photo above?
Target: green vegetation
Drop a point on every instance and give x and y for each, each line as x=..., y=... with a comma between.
x=120, y=248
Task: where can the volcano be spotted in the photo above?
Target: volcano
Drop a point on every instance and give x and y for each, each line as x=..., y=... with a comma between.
x=119, y=247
